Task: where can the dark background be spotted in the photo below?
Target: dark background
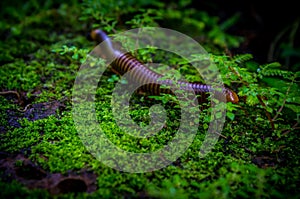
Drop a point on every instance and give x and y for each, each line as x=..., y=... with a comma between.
x=260, y=22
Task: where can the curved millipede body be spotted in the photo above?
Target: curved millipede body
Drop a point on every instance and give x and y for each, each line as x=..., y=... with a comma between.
x=125, y=62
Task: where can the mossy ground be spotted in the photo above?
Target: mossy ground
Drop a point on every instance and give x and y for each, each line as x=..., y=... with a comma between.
x=38, y=135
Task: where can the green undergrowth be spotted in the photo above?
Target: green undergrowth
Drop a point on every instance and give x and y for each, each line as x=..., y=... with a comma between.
x=257, y=153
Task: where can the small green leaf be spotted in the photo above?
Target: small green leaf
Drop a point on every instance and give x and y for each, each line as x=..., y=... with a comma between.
x=230, y=115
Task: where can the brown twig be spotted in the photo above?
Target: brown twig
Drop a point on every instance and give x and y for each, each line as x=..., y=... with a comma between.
x=11, y=92
x=19, y=99
x=294, y=127
x=284, y=101
x=25, y=109
x=267, y=112
x=221, y=135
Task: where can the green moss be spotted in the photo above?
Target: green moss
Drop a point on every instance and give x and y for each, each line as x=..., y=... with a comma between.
x=18, y=191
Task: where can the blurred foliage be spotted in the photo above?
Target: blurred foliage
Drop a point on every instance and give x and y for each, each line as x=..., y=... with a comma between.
x=43, y=45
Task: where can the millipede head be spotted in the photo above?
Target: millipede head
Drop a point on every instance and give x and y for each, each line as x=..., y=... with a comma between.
x=231, y=96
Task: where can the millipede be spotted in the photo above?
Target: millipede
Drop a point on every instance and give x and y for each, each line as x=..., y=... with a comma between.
x=152, y=81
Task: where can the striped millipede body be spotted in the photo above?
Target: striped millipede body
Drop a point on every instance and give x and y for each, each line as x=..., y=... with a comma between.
x=151, y=80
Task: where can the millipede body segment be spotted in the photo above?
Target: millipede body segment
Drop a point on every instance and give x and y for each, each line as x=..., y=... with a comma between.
x=152, y=81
